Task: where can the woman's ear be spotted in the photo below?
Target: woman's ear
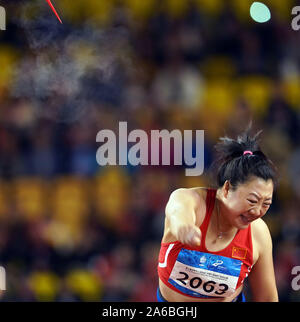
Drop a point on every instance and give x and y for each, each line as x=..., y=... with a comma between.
x=226, y=188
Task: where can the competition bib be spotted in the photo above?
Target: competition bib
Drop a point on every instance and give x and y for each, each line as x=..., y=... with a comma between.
x=205, y=275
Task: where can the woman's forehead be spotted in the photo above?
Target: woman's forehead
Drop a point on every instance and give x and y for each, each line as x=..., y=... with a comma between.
x=258, y=187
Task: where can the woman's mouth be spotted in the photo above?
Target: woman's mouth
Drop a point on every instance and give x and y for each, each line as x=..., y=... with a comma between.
x=245, y=220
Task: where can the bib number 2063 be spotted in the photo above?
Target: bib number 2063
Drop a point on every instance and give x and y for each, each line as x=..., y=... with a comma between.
x=196, y=282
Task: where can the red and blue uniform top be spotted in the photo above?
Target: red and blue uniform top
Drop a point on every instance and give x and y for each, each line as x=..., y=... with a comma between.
x=200, y=273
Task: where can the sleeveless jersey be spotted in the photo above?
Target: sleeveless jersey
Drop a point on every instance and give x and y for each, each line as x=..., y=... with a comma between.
x=199, y=273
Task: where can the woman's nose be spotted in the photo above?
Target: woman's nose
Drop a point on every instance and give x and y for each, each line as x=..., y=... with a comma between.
x=255, y=212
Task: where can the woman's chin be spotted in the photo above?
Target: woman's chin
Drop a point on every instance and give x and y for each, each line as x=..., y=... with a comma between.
x=243, y=222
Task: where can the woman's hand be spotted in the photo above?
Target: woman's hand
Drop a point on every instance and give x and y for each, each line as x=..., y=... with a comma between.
x=189, y=235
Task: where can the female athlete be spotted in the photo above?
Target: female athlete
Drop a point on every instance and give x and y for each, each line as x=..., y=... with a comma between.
x=215, y=238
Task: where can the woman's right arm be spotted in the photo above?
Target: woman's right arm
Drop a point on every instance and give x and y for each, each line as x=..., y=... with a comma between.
x=182, y=212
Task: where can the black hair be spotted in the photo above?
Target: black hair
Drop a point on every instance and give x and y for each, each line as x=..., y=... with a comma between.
x=236, y=167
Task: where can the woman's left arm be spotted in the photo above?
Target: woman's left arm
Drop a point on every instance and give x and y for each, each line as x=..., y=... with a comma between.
x=262, y=277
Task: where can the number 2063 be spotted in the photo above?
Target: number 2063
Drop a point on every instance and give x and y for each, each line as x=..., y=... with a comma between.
x=196, y=282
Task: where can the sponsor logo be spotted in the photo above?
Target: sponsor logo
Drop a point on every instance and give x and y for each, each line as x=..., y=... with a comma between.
x=217, y=263
x=202, y=259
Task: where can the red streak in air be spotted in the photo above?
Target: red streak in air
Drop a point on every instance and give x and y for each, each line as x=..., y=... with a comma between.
x=53, y=9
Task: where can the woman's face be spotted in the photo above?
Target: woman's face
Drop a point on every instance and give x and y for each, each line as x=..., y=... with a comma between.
x=250, y=201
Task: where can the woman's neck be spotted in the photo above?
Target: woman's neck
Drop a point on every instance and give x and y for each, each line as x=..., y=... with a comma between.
x=221, y=221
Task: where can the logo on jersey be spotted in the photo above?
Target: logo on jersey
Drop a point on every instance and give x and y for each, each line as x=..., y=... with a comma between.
x=239, y=253
x=202, y=260
x=217, y=263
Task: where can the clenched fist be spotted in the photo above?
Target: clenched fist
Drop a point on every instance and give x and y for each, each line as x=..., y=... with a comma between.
x=189, y=234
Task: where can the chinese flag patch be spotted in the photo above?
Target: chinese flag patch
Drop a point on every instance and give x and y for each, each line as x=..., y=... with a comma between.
x=239, y=253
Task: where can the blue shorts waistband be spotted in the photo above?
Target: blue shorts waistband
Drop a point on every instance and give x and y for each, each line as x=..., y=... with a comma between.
x=239, y=298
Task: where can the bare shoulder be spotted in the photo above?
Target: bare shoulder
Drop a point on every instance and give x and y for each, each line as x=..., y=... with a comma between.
x=182, y=193
x=260, y=229
x=261, y=235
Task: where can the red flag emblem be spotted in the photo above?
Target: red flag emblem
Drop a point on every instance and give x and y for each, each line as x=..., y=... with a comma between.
x=239, y=253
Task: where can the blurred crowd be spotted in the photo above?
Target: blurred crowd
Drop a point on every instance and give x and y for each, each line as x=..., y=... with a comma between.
x=71, y=230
